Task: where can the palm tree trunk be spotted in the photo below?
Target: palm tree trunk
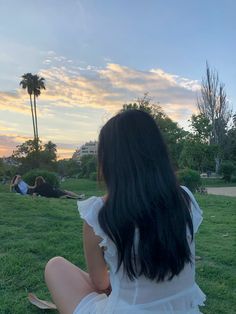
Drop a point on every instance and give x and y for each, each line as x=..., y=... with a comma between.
x=32, y=112
x=36, y=120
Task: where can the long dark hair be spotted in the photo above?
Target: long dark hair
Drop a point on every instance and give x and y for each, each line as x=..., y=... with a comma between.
x=143, y=195
x=14, y=179
x=39, y=181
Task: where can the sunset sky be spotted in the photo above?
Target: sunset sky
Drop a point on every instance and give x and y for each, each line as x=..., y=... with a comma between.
x=96, y=55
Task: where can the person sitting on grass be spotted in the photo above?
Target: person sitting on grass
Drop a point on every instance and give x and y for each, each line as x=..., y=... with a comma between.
x=139, y=239
x=20, y=186
x=45, y=189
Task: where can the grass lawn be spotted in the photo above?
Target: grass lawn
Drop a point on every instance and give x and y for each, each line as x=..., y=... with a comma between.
x=32, y=230
x=210, y=182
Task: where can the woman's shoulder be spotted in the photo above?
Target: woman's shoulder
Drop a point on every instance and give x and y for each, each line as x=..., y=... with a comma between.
x=91, y=201
x=89, y=210
x=90, y=207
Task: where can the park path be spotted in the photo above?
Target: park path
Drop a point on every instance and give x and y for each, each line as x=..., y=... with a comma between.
x=227, y=191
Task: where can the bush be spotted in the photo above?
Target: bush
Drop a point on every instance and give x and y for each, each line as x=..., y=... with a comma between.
x=227, y=169
x=190, y=178
x=88, y=164
x=93, y=176
x=49, y=177
x=233, y=179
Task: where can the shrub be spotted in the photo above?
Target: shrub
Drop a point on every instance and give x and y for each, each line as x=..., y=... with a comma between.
x=227, y=169
x=233, y=179
x=190, y=178
x=88, y=164
x=93, y=176
x=49, y=177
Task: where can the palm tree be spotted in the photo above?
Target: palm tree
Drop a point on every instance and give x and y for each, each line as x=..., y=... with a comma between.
x=33, y=84
x=27, y=83
x=38, y=84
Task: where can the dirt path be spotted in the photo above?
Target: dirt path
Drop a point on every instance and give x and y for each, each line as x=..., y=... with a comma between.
x=227, y=191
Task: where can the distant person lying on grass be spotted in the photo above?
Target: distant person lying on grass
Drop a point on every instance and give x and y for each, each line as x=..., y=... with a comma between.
x=19, y=186
x=45, y=189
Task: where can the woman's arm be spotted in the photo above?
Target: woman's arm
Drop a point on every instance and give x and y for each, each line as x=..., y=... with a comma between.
x=31, y=186
x=96, y=264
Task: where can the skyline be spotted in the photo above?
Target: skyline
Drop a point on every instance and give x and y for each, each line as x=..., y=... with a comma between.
x=93, y=63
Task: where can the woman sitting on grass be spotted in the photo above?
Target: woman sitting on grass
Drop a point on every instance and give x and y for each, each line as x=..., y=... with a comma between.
x=45, y=189
x=142, y=231
x=19, y=186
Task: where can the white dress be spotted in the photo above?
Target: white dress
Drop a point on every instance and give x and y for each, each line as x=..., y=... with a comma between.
x=141, y=296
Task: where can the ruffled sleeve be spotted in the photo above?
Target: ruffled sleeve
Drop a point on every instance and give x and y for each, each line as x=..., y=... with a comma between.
x=89, y=210
x=195, y=209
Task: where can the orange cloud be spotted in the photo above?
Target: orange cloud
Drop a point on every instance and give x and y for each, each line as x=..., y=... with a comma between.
x=109, y=88
x=14, y=101
x=112, y=86
x=9, y=142
x=71, y=89
x=65, y=153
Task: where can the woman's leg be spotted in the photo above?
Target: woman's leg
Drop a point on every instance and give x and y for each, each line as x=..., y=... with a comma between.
x=72, y=194
x=67, y=284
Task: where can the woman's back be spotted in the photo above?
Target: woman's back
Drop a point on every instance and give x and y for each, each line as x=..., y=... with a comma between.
x=181, y=293
x=143, y=229
x=143, y=193
x=45, y=189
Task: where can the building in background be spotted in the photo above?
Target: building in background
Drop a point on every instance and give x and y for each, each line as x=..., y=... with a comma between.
x=89, y=148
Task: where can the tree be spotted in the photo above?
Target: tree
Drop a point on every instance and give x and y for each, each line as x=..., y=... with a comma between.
x=201, y=127
x=227, y=169
x=31, y=158
x=26, y=149
x=48, y=156
x=197, y=152
x=213, y=105
x=230, y=145
x=38, y=84
x=88, y=165
x=33, y=84
x=197, y=155
x=68, y=167
x=27, y=83
x=27, y=155
x=7, y=170
x=51, y=149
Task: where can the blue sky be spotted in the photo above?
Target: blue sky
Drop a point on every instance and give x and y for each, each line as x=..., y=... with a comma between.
x=97, y=55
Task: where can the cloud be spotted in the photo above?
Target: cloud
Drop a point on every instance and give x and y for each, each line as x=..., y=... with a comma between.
x=115, y=85
x=47, y=61
x=63, y=153
x=14, y=102
x=107, y=88
x=79, y=99
x=8, y=143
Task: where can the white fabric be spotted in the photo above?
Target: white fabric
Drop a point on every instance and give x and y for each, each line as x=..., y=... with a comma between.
x=23, y=187
x=195, y=209
x=91, y=303
x=180, y=295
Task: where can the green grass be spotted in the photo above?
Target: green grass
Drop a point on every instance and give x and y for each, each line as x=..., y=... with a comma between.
x=32, y=230
x=210, y=182
x=215, y=243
